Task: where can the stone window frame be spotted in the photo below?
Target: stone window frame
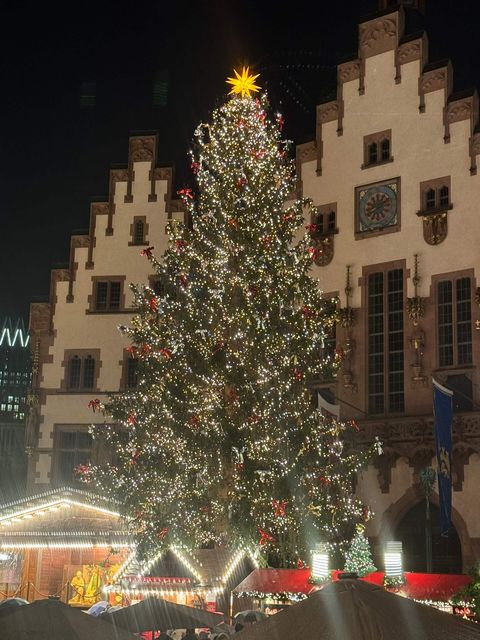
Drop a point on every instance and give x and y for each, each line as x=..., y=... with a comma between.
x=436, y=185
x=132, y=242
x=454, y=276
x=378, y=139
x=127, y=357
x=92, y=298
x=58, y=429
x=325, y=210
x=394, y=228
x=68, y=354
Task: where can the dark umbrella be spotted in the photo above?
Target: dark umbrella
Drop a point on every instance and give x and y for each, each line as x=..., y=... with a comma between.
x=256, y=613
x=11, y=604
x=53, y=620
x=155, y=613
x=357, y=610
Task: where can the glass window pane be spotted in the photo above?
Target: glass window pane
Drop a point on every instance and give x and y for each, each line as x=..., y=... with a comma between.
x=139, y=232
x=74, y=372
x=101, y=296
x=114, y=301
x=88, y=372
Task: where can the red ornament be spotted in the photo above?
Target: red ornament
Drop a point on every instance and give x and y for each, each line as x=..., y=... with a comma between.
x=259, y=154
x=233, y=223
x=339, y=353
x=195, y=167
x=153, y=304
x=241, y=182
x=252, y=291
x=219, y=346
x=162, y=533
x=135, y=456
x=253, y=418
x=180, y=244
x=312, y=229
x=288, y=216
x=279, y=508
x=298, y=374
x=314, y=252
x=301, y=564
x=94, y=405
x=83, y=472
x=265, y=537
x=132, y=420
x=261, y=116
x=146, y=350
x=324, y=481
x=133, y=351
x=266, y=241
x=308, y=312
x=166, y=353
x=239, y=466
x=194, y=421
x=241, y=123
x=233, y=395
x=186, y=193
x=280, y=121
x=183, y=280
x=354, y=425
x=147, y=252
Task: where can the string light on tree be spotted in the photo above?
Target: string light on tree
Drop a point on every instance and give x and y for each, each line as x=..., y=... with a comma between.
x=225, y=358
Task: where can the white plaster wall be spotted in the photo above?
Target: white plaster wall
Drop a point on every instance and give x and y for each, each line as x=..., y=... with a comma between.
x=75, y=329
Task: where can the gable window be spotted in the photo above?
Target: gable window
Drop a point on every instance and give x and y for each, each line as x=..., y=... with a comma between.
x=435, y=195
x=385, y=349
x=138, y=231
x=454, y=322
x=107, y=294
x=81, y=373
x=81, y=369
x=377, y=148
x=73, y=447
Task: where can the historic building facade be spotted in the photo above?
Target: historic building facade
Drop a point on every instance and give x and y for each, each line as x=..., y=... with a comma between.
x=79, y=354
x=393, y=174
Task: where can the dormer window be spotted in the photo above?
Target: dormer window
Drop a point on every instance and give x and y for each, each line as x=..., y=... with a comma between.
x=377, y=148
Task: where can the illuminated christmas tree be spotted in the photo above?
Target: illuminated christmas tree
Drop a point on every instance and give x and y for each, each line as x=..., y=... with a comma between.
x=359, y=557
x=220, y=441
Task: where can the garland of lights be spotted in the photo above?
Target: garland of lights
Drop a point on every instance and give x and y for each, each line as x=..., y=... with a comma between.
x=220, y=442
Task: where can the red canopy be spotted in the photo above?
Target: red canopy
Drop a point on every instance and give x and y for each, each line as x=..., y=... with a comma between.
x=419, y=586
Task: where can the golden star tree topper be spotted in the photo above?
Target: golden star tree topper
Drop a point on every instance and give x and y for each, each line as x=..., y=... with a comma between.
x=244, y=83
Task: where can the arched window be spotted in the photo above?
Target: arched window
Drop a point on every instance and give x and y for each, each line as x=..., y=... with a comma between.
x=372, y=153
x=139, y=232
x=446, y=551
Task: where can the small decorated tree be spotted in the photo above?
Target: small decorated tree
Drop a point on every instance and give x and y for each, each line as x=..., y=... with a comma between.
x=359, y=557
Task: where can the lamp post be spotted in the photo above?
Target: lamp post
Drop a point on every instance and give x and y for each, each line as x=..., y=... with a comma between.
x=320, y=562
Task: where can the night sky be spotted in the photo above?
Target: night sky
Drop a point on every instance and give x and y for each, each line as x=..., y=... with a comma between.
x=75, y=85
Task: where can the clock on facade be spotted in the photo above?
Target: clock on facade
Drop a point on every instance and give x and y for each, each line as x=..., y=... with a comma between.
x=377, y=206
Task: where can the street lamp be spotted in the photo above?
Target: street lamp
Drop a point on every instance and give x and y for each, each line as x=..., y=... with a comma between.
x=320, y=562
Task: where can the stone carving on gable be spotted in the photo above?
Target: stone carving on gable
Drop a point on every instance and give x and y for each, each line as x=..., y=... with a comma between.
x=306, y=152
x=99, y=208
x=118, y=175
x=327, y=112
x=410, y=51
x=79, y=242
x=162, y=173
x=141, y=149
x=40, y=317
x=349, y=71
x=459, y=110
x=378, y=36
x=60, y=275
x=433, y=80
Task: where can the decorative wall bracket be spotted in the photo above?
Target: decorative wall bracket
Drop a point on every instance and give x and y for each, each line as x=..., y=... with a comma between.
x=477, y=300
x=346, y=317
x=416, y=311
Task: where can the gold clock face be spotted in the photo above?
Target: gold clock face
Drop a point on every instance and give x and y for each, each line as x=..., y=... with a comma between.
x=377, y=206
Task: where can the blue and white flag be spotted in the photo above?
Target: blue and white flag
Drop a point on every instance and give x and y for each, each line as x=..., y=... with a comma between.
x=443, y=414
